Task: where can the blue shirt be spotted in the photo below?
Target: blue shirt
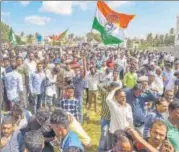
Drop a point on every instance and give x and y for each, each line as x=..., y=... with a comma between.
x=71, y=140
x=15, y=144
x=37, y=83
x=138, y=107
x=150, y=118
x=80, y=84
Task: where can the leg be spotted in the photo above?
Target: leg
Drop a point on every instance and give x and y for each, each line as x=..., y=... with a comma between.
x=90, y=96
x=95, y=94
x=34, y=103
x=104, y=135
x=39, y=101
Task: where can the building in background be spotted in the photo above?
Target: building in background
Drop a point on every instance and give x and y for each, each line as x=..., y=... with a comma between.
x=177, y=32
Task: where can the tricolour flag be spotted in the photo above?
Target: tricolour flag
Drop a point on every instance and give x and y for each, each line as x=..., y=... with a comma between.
x=62, y=35
x=110, y=24
x=12, y=38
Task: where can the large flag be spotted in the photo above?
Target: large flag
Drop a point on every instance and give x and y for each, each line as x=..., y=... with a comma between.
x=62, y=35
x=110, y=24
x=12, y=38
x=39, y=38
x=58, y=37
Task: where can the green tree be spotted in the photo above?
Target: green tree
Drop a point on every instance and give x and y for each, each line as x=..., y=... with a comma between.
x=89, y=36
x=129, y=43
x=5, y=32
x=30, y=38
x=97, y=37
x=171, y=31
x=22, y=34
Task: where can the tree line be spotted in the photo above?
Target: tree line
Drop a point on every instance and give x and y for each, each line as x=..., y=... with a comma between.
x=157, y=40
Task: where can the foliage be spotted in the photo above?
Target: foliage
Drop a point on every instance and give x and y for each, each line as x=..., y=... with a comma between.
x=5, y=32
x=158, y=40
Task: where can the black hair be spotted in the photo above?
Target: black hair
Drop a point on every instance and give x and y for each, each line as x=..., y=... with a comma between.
x=60, y=117
x=117, y=92
x=71, y=86
x=160, y=100
x=73, y=149
x=9, y=120
x=173, y=105
x=160, y=123
x=42, y=116
x=34, y=141
x=123, y=136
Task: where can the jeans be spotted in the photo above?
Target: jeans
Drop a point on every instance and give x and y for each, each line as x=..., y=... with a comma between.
x=48, y=102
x=103, y=143
x=80, y=98
x=36, y=102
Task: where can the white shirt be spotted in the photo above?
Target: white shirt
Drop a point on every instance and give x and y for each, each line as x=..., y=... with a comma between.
x=159, y=84
x=93, y=81
x=31, y=65
x=13, y=85
x=121, y=117
x=50, y=90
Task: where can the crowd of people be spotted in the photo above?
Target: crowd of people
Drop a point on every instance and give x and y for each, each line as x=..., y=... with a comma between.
x=49, y=92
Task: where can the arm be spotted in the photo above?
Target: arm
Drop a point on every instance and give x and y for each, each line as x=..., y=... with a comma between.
x=30, y=83
x=21, y=88
x=130, y=116
x=138, y=138
x=147, y=124
x=125, y=80
x=176, y=88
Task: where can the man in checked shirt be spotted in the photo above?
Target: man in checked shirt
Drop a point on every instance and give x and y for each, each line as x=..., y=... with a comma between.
x=70, y=103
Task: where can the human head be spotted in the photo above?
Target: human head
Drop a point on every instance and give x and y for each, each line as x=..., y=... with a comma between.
x=59, y=122
x=161, y=105
x=13, y=65
x=115, y=75
x=169, y=95
x=42, y=116
x=92, y=70
x=19, y=60
x=158, y=133
x=68, y=67
x=6, y=61
x=8, y=126
x=70, y=91
x=122, y=143
x=33, y=141
x=120, y=96
x=176, y=65
x=17, y=110
x=31, y=56
x=174, y=111
x=137, y=90
x=151, y=77
x=39, y=67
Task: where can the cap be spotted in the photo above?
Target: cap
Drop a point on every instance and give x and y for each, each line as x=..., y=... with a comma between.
x=114, y=84
x=57, y=61
x=142, y=79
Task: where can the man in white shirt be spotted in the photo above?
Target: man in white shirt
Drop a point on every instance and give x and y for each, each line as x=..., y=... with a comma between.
x=93, y=80
x=30, y=63
x=13, y=84
x=121, y=112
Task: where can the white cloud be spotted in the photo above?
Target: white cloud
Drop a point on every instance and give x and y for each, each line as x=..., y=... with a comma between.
x=63, y=7
x=83, y=5
x=117, y=4
x=5, y=13
x=57, y=7
x=24, y=3
x=37, y=20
